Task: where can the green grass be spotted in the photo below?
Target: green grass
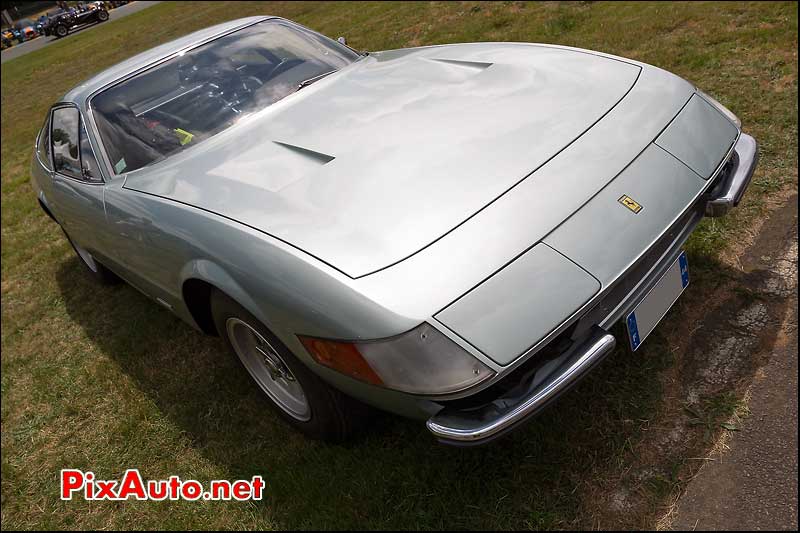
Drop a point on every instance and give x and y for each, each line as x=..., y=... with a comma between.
x=103, y=379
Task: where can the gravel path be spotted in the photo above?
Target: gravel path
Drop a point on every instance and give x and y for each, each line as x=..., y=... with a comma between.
x=753, y=485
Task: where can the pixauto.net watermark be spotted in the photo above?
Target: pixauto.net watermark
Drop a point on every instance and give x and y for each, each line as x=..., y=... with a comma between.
x=131, y=486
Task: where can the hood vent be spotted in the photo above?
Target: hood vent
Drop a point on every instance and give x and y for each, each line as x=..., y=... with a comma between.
x=475, y=65
x=308, y=154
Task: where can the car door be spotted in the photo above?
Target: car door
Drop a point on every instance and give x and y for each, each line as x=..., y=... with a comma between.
x=77, y=184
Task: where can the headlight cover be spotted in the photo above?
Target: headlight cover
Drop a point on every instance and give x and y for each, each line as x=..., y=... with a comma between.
x=722, y=109
x=420, y=361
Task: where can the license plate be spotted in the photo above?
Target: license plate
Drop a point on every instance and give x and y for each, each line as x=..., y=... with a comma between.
x=648, y=313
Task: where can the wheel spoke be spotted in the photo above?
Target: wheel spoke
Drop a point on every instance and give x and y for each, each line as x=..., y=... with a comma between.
x=268, y=369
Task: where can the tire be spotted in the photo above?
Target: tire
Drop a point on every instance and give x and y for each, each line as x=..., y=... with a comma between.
x=331, y=416
x=61, y=31
x=102, y=16
x=99, y=273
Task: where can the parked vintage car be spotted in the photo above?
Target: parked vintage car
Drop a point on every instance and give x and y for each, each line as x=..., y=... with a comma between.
x=22, y=30
x=100, y=4
x=62, y=22
x=445, y=232
x=8, y=36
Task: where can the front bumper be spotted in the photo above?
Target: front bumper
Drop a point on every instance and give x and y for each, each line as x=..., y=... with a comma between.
x=477, y=426
x=587, y=341
x=728, y=193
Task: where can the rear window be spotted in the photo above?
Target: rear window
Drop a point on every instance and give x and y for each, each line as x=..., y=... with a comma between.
x=196, y=95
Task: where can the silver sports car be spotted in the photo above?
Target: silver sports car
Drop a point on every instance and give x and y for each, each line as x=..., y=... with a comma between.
x=444, y=232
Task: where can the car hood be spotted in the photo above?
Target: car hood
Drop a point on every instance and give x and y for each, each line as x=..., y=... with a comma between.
x=372, y=164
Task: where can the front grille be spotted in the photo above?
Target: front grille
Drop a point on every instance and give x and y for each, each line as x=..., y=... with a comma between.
x=631, y=286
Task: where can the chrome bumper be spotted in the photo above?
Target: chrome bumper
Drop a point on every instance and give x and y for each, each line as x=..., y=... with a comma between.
x=477, y=426
x=732, y=189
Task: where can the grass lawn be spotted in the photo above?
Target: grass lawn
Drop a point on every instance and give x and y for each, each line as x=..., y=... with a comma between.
x=103, y=379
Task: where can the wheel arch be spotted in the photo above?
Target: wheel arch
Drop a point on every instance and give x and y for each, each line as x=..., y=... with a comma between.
x=196, y=294
x=199, y=279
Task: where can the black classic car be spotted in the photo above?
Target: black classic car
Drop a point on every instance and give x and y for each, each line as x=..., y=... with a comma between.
x=62, y=22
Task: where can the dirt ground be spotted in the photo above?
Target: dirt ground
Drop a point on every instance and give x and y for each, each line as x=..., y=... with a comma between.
x=750, y=481
x=741, y=344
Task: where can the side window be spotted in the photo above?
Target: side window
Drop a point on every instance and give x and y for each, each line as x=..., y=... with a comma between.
x=91, y=170
x=43, y=144
x=72, y=152
x=66, y=158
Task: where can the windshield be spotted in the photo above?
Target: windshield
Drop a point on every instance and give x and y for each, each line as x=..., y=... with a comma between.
x=193, y=96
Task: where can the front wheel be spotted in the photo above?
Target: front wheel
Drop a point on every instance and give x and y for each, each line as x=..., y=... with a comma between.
x=102, y=16
x=61, y=31
x=297, y=394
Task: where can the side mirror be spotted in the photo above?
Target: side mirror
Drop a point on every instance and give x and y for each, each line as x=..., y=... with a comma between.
x=342, y=40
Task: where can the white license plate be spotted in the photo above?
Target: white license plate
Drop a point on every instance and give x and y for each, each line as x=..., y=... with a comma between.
x=648, y=313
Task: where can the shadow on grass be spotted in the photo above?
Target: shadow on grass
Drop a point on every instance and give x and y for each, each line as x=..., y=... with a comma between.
x=394, y=475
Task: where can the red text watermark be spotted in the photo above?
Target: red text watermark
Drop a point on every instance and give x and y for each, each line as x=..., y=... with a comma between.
x=132, y=486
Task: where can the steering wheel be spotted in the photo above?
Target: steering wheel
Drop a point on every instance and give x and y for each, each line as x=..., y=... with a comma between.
x=219, y=72
x=248, y=87
x=283, y=66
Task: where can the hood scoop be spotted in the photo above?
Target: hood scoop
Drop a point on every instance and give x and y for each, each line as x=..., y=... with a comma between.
x=311, y=155
x=474, y=65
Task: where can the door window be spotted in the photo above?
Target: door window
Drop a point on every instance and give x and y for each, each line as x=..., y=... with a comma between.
x=43, y=144
x=66, y=156
x=72, y=152
x=89, y=166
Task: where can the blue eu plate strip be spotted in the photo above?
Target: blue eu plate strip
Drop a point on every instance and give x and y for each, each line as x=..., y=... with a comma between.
x=684, y=269
x=633, y=331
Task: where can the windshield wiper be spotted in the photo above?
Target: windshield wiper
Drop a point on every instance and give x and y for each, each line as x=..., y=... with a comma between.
x=309, y=81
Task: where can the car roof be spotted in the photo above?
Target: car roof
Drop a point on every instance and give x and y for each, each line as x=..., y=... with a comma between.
x=81, y=93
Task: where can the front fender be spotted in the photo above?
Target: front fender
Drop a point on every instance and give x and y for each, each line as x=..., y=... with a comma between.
x=217, y=276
